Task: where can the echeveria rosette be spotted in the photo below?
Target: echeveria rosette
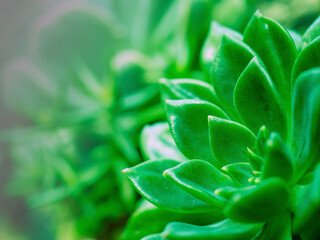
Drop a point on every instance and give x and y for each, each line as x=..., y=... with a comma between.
x=251, y=139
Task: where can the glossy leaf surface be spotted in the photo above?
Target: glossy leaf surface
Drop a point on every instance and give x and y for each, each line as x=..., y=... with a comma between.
x=259, y=203
x=311, y=33
x=212, y=43
x=224, y=230
x=156, y=142
x=305, y=121
x=267, y=38
x=232, y=58
x=190, y=118
x=229, y=140
x=308, y=58
x=257, y=100
x=200, y=179
x=149, y=181
x=175, y=89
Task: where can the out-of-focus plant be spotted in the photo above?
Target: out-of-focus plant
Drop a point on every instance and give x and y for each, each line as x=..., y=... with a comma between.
x=244, y=151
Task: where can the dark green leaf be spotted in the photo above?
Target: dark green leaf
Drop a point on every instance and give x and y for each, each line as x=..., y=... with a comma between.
x=229, y=140
x=232, y=58
x=262, y=137
x=257, y=100
x=278, y=228
x=278, y=161
x=260, y=202
x=188, y=121
x=268, y=39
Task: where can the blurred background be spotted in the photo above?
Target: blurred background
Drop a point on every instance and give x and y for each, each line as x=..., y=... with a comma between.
x=78, y=81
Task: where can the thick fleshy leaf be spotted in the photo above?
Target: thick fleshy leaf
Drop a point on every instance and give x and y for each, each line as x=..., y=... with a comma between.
x=200, y=179
x=156, y=142
x=278, y=228
x=212, y=43
x=277, y=157
x=190, y=118
x=257, y=100
x=149, y=181
x=224, y=230
x=139, y=225
x=239, y=173
x=176, y=89
x=153, y=237
x=305, y=137
x=296, y=37
x=311, y=33
x=231, y=59
x=308, y=58
x=229, y=140
x=268, y=39
x=256, y=162
x=306, y=221
x=260, y=202
x=262, y=137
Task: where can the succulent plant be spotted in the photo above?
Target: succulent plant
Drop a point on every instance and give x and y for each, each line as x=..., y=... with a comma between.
x=245, y=150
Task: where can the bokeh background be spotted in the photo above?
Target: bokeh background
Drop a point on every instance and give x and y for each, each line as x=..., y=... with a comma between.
x=78, y=81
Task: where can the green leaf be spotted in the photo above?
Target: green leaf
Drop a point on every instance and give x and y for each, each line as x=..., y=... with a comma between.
x=305, y=137
x=229, y=140
x=212, y=43
x=176, y=89
x=256, y=162
x=278, y=161
x=262, y=137
x=296, y=37
x=308, y=209
x=268, y=39
x=257, y=100
x=311, y=33
x=156, y=142
x=188, y=121
x=278, y=228
x=224, y=230
x=139, y=225
x=200, y=179
x=149, y=181
x=153, y=237
x=232, y=58
x=308, y=58
x=239, y=173
x=260, y=202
